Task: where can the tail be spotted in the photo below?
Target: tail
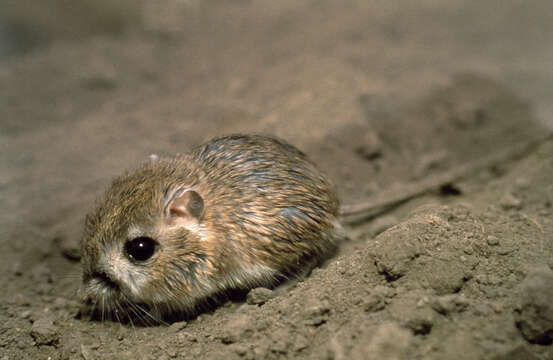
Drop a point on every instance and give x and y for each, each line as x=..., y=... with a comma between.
x=339, y=234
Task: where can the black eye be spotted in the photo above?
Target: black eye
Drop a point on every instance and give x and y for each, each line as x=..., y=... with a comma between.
x=141, y=248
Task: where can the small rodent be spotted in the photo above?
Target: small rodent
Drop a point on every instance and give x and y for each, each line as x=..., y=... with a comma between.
x=237, y=212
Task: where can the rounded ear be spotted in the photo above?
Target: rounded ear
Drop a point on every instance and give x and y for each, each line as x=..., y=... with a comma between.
x=185, y=205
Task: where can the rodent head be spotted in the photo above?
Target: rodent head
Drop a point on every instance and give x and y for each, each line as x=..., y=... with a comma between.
x=143, y=247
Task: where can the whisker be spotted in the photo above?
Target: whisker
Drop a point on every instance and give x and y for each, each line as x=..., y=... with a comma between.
x=131, y=308
x=103, y=307
x=138, y=313
x=132, y=325
x=123, y=311
x=115, y=312
x=151, y=316
x=93, y=310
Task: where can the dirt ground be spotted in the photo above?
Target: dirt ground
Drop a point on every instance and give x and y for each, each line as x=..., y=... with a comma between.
x=444, y=104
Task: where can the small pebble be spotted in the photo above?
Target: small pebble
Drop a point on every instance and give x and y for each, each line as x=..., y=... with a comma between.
x=178, y=326
x=259, y=296
x=171, y=352
x=493, y=240
x=86, y=352
x=522, y=183
x=497, y=308
x=447, y=304
x=184, y=337
x=509, y=201
x=239, y=349
x=505, y=251
x=41, y=274
x=60, y=303
x=17, y=268
x=300, y=343
x=25, y=314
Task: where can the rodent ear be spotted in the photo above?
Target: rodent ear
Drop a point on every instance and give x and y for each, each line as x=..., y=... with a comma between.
x=186, y=205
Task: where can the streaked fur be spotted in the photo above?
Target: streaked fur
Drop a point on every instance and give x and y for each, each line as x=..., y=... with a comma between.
x=269, y=214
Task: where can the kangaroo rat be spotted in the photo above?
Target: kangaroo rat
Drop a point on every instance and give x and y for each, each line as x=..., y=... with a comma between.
x=238, y=212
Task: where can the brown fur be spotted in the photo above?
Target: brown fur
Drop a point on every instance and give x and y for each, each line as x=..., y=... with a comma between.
x=269, y=213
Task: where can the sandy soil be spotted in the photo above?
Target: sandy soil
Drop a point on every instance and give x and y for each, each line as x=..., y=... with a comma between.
x=386, y=97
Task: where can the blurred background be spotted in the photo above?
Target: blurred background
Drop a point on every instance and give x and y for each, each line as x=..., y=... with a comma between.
x=511, y=40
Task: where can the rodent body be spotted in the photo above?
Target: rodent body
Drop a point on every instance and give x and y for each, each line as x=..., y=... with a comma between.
x=238, y=212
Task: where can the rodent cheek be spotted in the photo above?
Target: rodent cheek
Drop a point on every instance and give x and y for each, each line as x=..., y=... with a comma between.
x=89, y=251
x=132, y=279
x=137, y=279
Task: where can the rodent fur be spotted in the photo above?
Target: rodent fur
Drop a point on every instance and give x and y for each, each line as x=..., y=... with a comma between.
x=267, y=213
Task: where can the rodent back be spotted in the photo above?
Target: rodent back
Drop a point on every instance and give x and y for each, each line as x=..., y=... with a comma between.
x=269, y=195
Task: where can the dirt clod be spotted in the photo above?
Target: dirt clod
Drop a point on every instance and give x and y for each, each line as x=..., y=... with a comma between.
x=44, y=332
x=517, y=352
x=386, y=341
x=316, y=312
x=448, y=304
x=510, y=201
x=236, y=329
x=420, y=322
x=178, y=326
x=534, y=317
x=378, y=298
x=259, y=296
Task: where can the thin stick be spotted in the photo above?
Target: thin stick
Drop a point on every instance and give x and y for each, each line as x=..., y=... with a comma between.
x=389, y=199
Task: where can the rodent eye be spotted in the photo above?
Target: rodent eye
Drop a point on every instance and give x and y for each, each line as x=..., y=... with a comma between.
x=140, y=248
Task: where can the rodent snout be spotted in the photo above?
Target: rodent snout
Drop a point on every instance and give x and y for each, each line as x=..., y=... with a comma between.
x=102, y=278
